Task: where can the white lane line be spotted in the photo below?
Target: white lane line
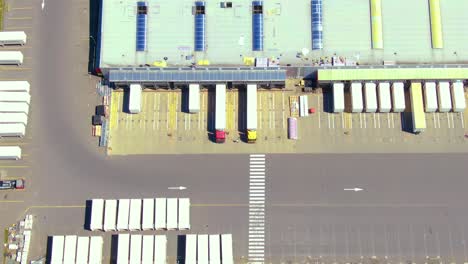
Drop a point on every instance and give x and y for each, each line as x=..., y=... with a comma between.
x=462, y=120
x=375, y=124
x=329, y=123
x=453, y=121
x=360, y=119
x=434, y=120
x=448, y=120
x=342, y=120
x=189, y=117
x=333, y=121
x=388, y=120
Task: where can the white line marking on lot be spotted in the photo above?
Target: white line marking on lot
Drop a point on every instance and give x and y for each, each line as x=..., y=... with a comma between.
x=452, y=119
x=318, y=110
x=274, y=119
x=378, y=119
x=448, y=120
x=333, y=119
x=342, y=120
x=260, y=119
x=189, y=119
x=365, y=121
x=360, y=119
x=329, y=123
x=154, y=120
x=176, y=119
x=269, y=119
x=185, y=122
x=375, y=124
x=462, y=121
x=393, y=121
x=167, y=119
x=434, y=120
x=388, y=120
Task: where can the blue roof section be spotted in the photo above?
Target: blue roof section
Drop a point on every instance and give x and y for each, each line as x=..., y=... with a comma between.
x=317, y=27
x=198, y=75
x=141, y=30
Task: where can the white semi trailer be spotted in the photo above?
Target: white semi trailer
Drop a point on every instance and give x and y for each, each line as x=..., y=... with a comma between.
x=220, y=114
x=14, y=107
x=338, y=97
x=12, y=38
x=14, y=86
x=21, y=97
x=148, y=214
x=110, y=215
x=12, y=118
x=69, y=253
x=95, y=249
x=123, y=214
x=147, y=253
x=123, y=248
x=430, y=97
x=356, y=97
x=82, y=250
x=385, y=99
x=370, y=97
x=398, y=97
x=160, y=214
x=191, y=249
x=134, y=98
x=56, y=255
x=215, y=249
x=135, y=249
x=184, y=213
x=194, y=98
x=160, y=249
x=11, y=57
x=172, y=223
x=97, y=212
x=10, y=153
x=445, y=99
x=12, y=130
x=134, y=221
x=458, y=97
x=226, y=249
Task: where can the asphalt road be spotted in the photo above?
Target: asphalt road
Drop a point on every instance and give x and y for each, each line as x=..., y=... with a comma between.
x=412, y=206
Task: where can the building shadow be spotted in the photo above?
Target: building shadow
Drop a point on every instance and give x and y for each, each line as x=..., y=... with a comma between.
x=87, y=220
x=114, y=248
x=181, y=249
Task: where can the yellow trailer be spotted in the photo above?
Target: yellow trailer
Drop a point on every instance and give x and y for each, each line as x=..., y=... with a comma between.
x=417, y=108
x=376, y=24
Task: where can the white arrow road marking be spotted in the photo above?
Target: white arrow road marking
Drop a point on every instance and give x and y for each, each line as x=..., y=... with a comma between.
x=177, y=188
x=43, y=4
x=354, y=189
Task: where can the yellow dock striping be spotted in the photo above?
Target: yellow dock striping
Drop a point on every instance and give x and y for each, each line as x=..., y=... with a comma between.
x=348, y=123
x=114, y=111
x=294, y=106
x=230, y=111
x=172, y=97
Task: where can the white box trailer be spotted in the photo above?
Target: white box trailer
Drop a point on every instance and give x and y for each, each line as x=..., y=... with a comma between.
x=11, y=57
x=304, y=105
x=458, y=97
x=172, y=223
x=398, y=97
x=220, y=113
x=12, y=130
x=191, y=249
x=215, y=249
x=135, y=249
x=160, y=249
x=148, y=214
x=110, y=215
x=338, y=97
x=226, y=249
x=385, y=99
x=194, y=98
x=14, y=107
x=430, y=97
x=370, y=97
x=69, y=252
x=20, y=97
x=147, y=249
x=82, y=250
x=184, y=213
x=251, y=107
x=97, y=213
x=10, y=153
x=160, y=214
x=123, y=214
x=202, y=249
x=123, y=248
x=14, y=86
x=134, y=222
x=56, y=254
x=357, y=104
x=134, y=98
x=11, y=118
x=443, y=94
x=95, y=249
x=12, y=38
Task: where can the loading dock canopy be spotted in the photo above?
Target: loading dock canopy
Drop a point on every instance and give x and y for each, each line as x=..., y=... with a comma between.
x=329, y=75
x=204, y=75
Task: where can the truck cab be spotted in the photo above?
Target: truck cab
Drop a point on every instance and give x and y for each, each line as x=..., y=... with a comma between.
x=12, y=184
x=251, y=136
x=220, y=136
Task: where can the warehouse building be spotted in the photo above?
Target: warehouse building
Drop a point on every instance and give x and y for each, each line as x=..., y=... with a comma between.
x=240, y=35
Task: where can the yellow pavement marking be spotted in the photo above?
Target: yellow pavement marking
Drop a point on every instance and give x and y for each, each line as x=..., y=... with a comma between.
x=328, y=205
x=14, y=167
x=11, y=28
x=13, y=144
x=113, y=112
x=19, y=18
x=14, y=69
x=172, y=110
x=293, y=106
x=21, y=8
x=230, y=111
x=11, y=201
x=347, y=120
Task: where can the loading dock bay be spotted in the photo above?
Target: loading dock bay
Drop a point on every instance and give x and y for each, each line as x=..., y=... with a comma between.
x=164, y=126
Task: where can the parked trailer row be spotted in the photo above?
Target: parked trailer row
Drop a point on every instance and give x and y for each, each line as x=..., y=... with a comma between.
x=12, y=38
x=12, y=118
x=370, y=95
x=14, y=107
x=444, y=97
x=73, y=249
x=357, y=104
x=385, y=100
x=136, y=249
x=194, y=98
x=220, y=114
x=458, y=97
x=138, y=214
x=10, y=153
x=430, y=97
x=134, y=98
x=251, y=113
x=14, y=86
x=417, y=108
x=303, y=105
x=204, y=249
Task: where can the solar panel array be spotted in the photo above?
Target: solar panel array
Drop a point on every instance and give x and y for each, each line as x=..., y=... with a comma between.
x=317, y=27
x=200, y=29
x=141, y=29
x=197, y=76
x=257, y=27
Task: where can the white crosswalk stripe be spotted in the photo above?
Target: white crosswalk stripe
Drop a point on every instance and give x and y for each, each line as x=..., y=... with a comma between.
x=257, y=199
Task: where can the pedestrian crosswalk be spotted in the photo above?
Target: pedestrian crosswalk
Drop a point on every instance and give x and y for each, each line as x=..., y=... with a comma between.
x=257, y=208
